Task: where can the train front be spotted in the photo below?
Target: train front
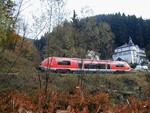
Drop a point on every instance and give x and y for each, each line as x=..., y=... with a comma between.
x=127, y=67
x=45, y=64
x=120, y=66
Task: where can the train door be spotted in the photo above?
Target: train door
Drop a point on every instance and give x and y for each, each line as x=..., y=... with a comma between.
x=80, y=66
x=108, y=69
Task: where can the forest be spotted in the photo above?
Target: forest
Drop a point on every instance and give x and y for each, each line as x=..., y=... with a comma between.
x=25, y=89
x=100, y=33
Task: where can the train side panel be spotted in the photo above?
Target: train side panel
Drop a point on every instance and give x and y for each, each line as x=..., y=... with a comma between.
x=58, y=64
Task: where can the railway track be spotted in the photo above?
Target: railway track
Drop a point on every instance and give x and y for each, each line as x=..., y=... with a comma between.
x=4, y=74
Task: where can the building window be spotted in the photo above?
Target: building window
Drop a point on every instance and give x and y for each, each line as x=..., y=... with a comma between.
x=64, y=62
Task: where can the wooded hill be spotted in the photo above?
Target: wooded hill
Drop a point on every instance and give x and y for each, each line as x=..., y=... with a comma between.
x=124, y=27
x=101, y=33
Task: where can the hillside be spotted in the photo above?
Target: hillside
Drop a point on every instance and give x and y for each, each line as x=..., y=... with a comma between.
x=124, y=27
x=100, y=33
x=28, y=89
x=7, y=59
x=127, y=26
x=75, y=93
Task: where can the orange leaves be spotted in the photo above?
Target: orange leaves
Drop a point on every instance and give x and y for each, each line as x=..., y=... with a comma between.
x=77, y=102
x=133, y=106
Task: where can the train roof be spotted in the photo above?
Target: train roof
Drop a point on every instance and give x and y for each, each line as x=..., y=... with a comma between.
x=81, y=59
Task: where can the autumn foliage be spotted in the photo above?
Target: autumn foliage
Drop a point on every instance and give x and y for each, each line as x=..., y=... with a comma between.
x=77, y=102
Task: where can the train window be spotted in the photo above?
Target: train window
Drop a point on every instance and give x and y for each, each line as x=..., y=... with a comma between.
x=89, y=66
x=108, y=66
x=80, y=65
x=94, y=66
x=101, y=66
x=119, y=65
x=64, y=62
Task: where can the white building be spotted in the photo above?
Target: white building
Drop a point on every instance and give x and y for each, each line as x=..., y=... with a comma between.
x=130, y=53
x=92, y=55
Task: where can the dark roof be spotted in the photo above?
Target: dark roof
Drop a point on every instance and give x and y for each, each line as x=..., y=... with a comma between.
x=130, y=43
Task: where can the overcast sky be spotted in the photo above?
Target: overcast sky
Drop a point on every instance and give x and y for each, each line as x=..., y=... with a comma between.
x=140, y=8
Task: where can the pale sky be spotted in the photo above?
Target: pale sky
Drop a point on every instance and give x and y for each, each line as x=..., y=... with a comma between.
x=140, y=8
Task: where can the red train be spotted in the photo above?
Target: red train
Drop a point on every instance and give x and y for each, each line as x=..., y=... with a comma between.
x=79, y=65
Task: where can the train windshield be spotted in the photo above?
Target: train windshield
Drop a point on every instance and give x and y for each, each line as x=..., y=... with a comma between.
x=64, y=62
x=119, y=65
